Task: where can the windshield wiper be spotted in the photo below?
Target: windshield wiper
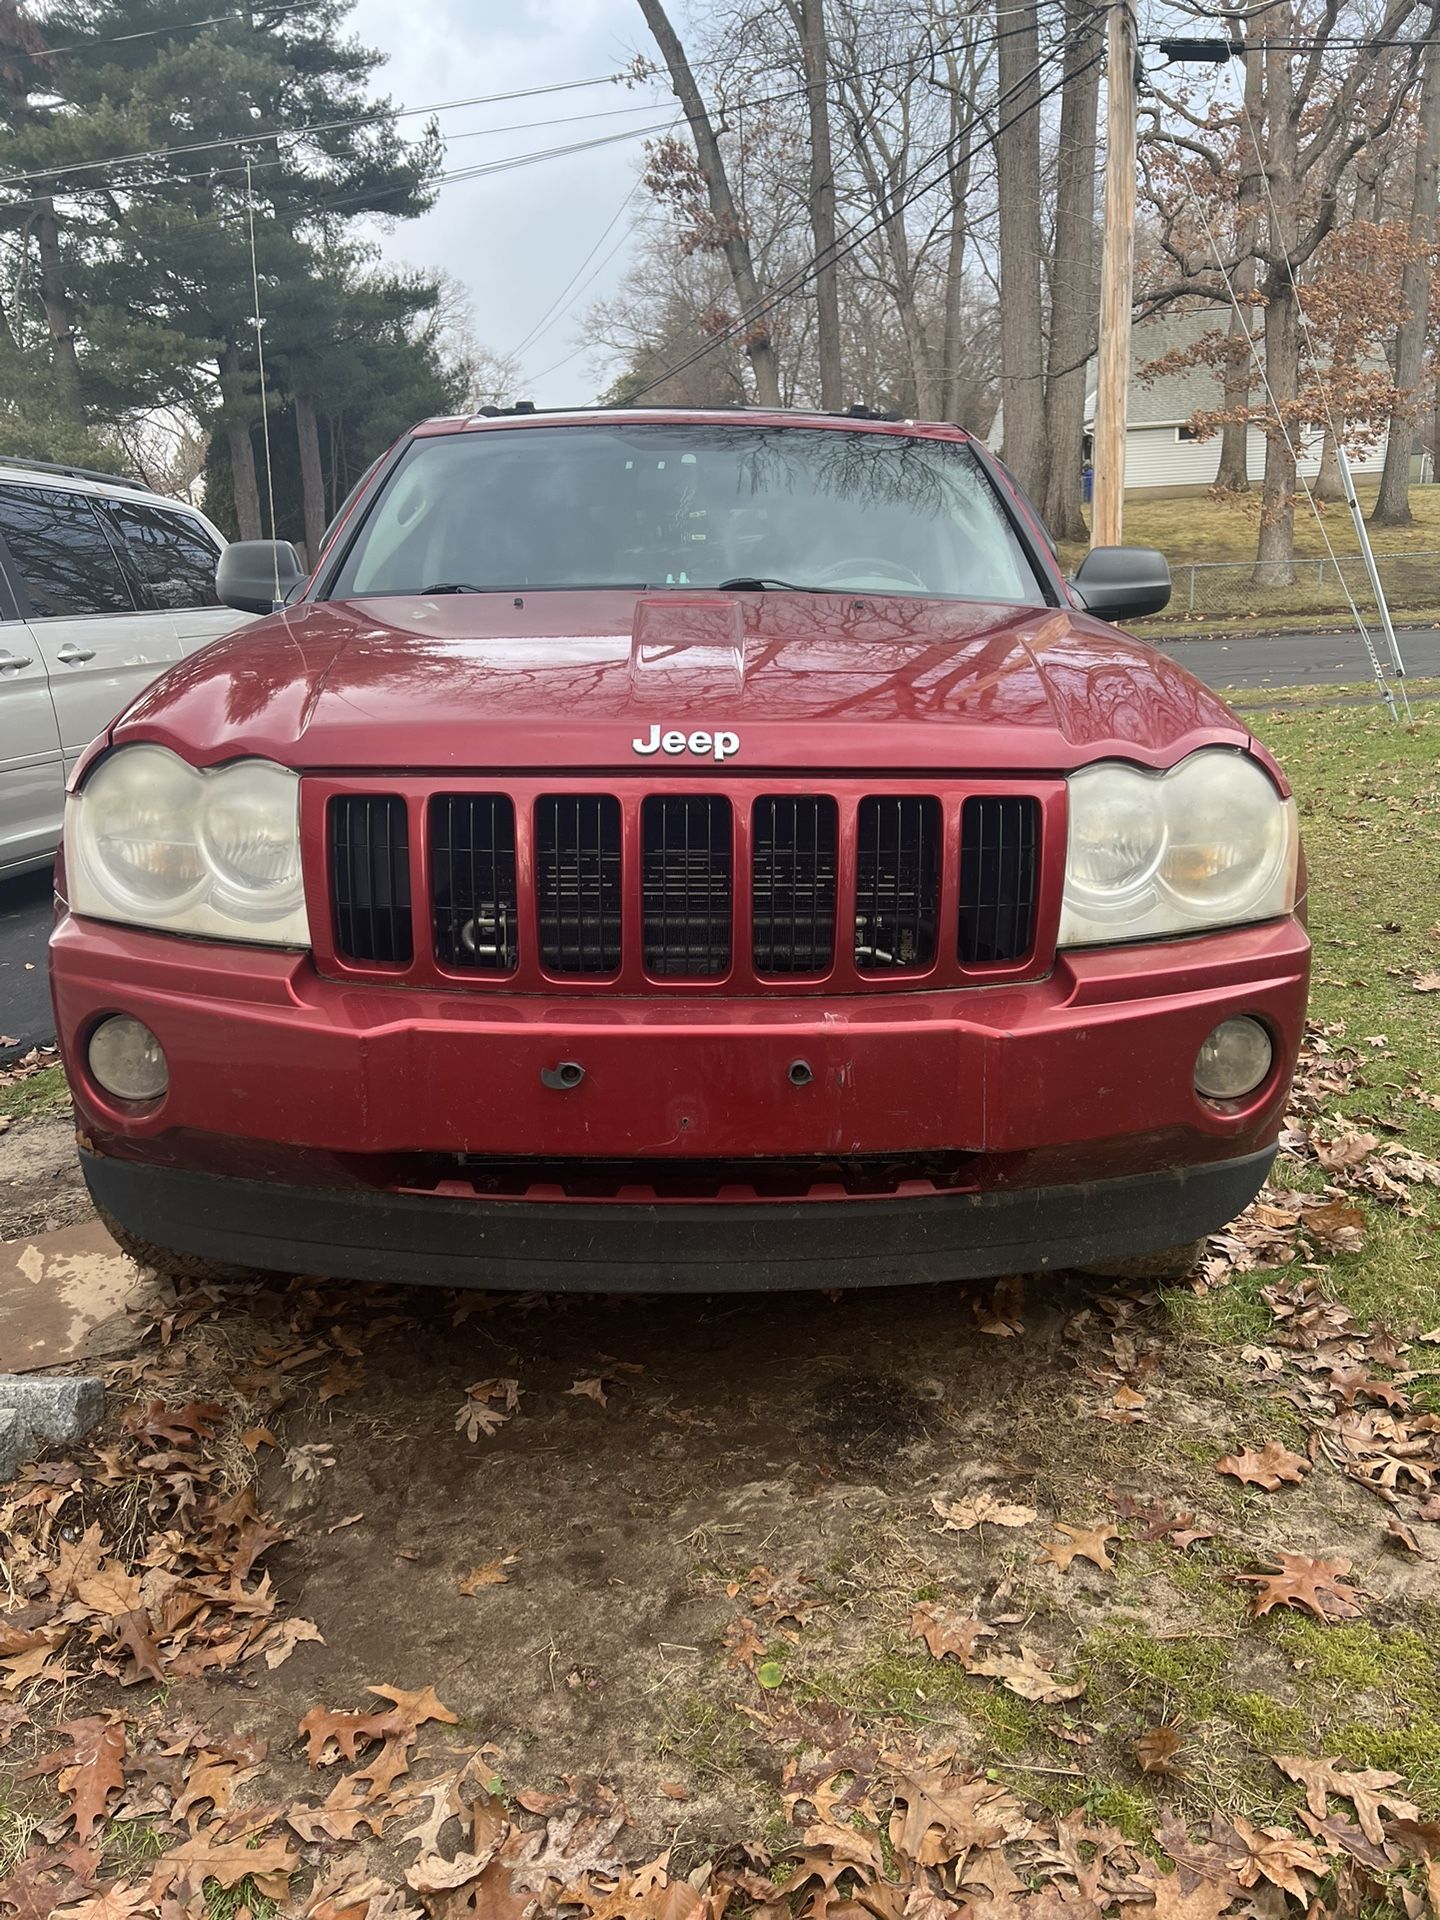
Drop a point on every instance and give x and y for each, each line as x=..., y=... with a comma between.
x=757, y=583
x=548, y=586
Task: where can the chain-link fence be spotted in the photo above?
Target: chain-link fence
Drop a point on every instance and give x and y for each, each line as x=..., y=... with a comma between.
x=1212, y=591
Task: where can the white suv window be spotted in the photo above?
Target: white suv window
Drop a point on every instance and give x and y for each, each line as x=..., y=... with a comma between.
x=62, y=553
x=173, y=554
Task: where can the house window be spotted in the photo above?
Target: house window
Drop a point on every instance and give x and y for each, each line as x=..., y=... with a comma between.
x=1187, y=433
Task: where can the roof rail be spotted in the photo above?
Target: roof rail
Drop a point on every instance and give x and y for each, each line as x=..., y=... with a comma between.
x=74, y=473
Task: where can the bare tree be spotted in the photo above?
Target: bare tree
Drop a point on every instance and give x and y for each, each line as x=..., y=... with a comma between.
x=1022, y=347
x=730, y=233
x=808, y=20
x=1323, y=104
x=1392, y=504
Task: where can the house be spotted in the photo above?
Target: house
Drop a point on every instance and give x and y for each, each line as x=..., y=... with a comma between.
x=1162, y=447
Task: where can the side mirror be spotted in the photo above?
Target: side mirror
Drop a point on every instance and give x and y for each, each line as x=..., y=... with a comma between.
x=1122, y=583
x=254, y=576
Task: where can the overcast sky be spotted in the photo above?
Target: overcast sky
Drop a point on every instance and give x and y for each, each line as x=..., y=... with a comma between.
x=516, y=238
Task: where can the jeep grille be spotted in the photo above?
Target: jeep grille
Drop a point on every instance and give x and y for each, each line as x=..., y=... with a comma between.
x=873, y=884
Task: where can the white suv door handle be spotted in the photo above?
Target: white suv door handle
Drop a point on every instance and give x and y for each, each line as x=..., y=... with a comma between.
x=73, y=655
x=12, y=662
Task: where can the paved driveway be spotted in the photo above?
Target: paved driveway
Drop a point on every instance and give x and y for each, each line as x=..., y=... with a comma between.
x=24, y=992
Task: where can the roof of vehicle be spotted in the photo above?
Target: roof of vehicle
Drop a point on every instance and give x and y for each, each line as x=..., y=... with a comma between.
x=864, y=418
x=50, y=473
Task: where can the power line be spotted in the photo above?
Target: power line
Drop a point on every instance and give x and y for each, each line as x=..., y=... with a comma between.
x=260, y=135
x=551, y=313
x=180, y=26
x=297, y=133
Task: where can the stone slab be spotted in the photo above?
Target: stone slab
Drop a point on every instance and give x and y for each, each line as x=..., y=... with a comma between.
x=45, y=1410
x=60, y=1295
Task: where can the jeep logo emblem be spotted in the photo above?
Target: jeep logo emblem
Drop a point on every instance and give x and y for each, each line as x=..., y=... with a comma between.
x=719, y=746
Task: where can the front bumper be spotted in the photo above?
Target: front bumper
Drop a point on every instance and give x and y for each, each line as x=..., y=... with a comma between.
x=1070, y=1102
x=638, y=1248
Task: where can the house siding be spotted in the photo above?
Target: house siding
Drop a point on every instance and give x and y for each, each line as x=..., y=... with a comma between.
x=1157, y=457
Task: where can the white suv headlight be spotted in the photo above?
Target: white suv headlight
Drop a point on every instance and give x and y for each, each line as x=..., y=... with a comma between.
x=155, y=842
x=1208, y=844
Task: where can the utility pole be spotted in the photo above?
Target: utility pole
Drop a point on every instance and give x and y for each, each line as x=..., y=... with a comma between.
x=1117, y=277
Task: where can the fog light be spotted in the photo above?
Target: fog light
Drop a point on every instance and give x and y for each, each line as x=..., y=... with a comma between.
x=127, y=1059
x=1234, y=1060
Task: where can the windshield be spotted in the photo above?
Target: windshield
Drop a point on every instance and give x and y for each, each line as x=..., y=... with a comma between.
x=708, y=505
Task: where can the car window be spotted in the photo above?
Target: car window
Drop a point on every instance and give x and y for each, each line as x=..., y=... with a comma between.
x=171, y=552
x=630, y=505
x=62, y=553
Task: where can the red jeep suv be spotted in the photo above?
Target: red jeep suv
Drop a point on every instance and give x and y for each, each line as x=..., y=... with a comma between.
x=678, y=850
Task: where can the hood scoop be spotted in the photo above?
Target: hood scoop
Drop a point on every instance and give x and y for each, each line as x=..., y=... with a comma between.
x=691, y=640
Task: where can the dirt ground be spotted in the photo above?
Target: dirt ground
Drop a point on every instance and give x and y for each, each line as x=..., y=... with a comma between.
x=694, y=1541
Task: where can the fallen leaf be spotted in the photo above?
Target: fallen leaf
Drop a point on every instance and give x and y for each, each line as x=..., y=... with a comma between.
x=477, y=1416
x=1403, y=1535
x=1278, y=1855
x=743, y=1645
x=1084, y=1543
x=1368, y=1791
x=91, y=1770
x=945, y=1814
x=1156, y=1748
x=209, y=1856
x=1203, y=1900
x=590, y=1390
x=1426, y=983
x=109, y=1589
x=960, y=1516
x=492, y=1574
x=282, y=1640
x=1335, y=1227
x=1267, y=1468
x=946, y=1630
x=119, y=1901
x=1029, y=1674
x=1314, y=1586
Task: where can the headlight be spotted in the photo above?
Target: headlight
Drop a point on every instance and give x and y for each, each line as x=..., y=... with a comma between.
x=1208, y=844
x=154, y=842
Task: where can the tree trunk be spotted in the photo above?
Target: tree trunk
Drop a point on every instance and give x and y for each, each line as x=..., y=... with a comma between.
x=919, y=349
x=1234, y=469
x=1022, y=362
x=237, y=438
x=1275, y=553
x=808, y=18
x=1392, y=504
x=1233, y=473
x=954, y=316
x=1327, y=484
x=731, y=233
x=312, y=477
x=63, y=358
x=1072, y=284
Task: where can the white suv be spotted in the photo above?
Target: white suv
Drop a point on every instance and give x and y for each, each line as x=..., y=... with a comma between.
x=103, y=585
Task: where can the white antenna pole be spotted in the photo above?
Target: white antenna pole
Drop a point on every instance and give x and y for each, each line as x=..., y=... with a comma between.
x=1362, y=533
x=260, y=362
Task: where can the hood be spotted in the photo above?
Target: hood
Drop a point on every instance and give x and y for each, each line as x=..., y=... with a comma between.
x=556, y=680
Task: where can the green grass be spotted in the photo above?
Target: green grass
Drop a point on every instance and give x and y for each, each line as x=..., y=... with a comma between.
x=1324, y=694
x=1194, y=528
x=224, y=1903
x=43, y=1092
x=1369, y=798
